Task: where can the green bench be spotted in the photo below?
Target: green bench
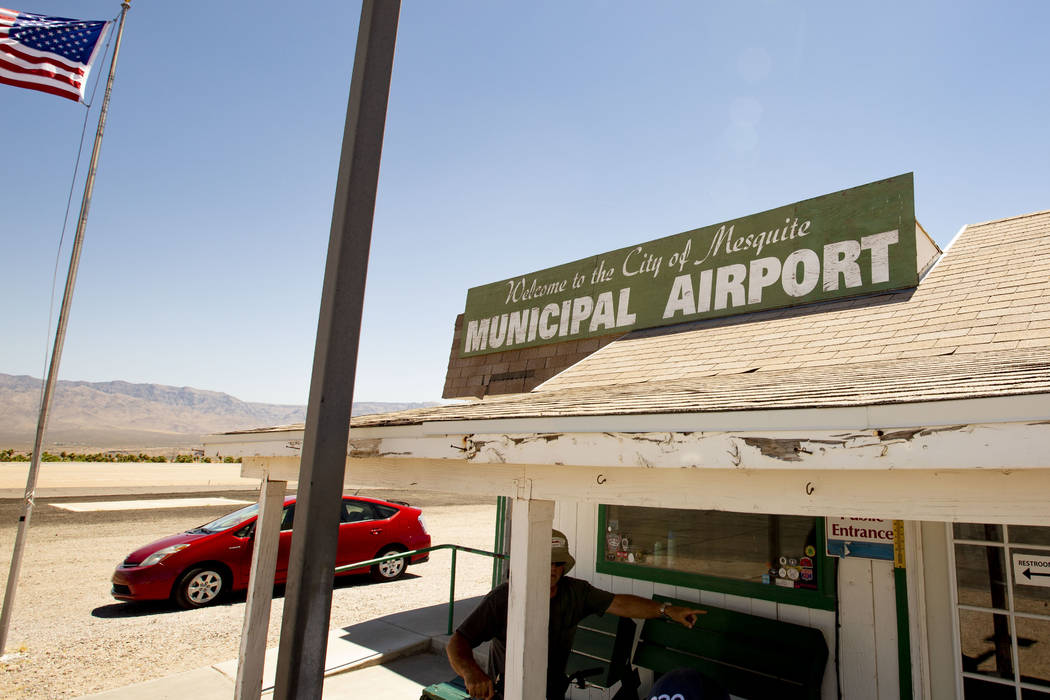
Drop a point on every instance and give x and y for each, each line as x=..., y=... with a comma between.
x=600, y=656
x=749, y=656
x=602, y=642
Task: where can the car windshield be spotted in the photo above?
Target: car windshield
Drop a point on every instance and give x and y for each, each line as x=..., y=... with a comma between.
x=227, y=521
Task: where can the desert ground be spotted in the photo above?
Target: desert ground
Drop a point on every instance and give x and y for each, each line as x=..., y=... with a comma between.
x=69, y=637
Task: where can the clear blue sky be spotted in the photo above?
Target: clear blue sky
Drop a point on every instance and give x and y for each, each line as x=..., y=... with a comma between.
x=519, y=136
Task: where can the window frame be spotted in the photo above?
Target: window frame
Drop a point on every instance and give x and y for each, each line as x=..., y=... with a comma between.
x=1008, y=547
x=380, y=510
x=288, y=508
x=368, y=508
x=822, y=598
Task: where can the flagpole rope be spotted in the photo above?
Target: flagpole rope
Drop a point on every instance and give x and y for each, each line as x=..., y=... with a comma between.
x=56, y=354
x=65, y=219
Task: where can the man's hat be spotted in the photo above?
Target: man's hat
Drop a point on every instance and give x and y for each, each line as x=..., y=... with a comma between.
x=560, y=550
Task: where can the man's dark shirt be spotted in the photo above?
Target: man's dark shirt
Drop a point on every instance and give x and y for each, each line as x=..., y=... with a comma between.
x=575, y=600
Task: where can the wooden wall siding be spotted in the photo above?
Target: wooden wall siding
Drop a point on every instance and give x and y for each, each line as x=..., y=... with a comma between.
x=579, y=522
x=513, y=371
x=868, y=618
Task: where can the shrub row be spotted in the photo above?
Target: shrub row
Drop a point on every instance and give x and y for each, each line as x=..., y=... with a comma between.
x=13, y=456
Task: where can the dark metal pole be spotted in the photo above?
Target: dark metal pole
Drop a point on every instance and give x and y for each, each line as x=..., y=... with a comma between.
x=308, y=595
x=56, y=353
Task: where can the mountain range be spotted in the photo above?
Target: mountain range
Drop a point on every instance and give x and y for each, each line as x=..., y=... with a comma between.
x=121, y=415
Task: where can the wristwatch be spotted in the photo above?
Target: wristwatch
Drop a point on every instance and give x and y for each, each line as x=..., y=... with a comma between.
x=663, y=610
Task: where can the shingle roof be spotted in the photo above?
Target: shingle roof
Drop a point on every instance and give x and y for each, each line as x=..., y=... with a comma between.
x=989, y=293
x=977, y=326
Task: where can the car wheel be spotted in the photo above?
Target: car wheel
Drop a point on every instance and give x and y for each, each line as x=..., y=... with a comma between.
x=391, y=569
x=200, y=586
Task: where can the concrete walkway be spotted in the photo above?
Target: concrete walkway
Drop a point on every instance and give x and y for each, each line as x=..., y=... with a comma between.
x=390, y=657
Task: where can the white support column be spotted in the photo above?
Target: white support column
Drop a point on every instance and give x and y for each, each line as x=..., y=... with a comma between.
x=918, y=634
x=260, y=591
x=529, y=606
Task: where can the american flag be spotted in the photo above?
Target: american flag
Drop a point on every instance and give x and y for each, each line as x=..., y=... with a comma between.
x=50, y=54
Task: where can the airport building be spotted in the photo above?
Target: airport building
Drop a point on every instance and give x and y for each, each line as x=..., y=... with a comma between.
x=808, y=415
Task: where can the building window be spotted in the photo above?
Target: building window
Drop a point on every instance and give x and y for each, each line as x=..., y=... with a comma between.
x=1002, y=601
x=773, y=557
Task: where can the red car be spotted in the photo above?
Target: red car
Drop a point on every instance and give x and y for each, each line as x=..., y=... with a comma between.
x=195, y=568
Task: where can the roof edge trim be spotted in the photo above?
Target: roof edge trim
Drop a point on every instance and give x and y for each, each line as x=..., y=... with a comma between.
x=997, y=409
x=1042, y=212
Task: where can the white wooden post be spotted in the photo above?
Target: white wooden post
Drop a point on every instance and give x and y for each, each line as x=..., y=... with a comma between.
x=918, y=633
x=529, y=606
x=260, y=591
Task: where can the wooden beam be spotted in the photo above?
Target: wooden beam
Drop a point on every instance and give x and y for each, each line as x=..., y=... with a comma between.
x=934, y=473
x=953, y=495
x=528, y=609
x=250, y=659
x=1017, y=445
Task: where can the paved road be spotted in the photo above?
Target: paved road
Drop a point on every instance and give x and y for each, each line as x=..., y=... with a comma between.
x=46, y=514
x=105, y=478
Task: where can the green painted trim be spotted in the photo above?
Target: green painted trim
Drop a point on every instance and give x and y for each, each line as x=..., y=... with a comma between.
x=827, y=584
x=502, y=516
x=900, y=583
x=498, y=538
x=821, y=599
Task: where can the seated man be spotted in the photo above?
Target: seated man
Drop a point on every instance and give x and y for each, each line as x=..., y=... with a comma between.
x=571, y=601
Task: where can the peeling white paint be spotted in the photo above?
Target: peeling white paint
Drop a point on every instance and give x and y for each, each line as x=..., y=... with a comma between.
x=996, y=446
x=930, y=472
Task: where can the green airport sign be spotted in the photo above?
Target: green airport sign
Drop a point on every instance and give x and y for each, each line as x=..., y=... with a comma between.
x=845, y=244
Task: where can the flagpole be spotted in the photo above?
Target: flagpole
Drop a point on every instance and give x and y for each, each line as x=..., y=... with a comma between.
x=56, y=353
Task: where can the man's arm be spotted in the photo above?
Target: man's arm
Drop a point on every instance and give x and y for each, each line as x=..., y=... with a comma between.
x=461, y=657
x=644, y=609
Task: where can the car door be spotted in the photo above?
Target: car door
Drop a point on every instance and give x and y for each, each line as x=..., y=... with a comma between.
x=239, y=545
x=242, y=561
x=359, y=532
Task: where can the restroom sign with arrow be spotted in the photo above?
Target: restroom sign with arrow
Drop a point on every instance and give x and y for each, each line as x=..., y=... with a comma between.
x=1031, y=570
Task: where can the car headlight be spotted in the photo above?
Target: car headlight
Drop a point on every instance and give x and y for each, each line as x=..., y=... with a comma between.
x=162, y=554
x=423, y=523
